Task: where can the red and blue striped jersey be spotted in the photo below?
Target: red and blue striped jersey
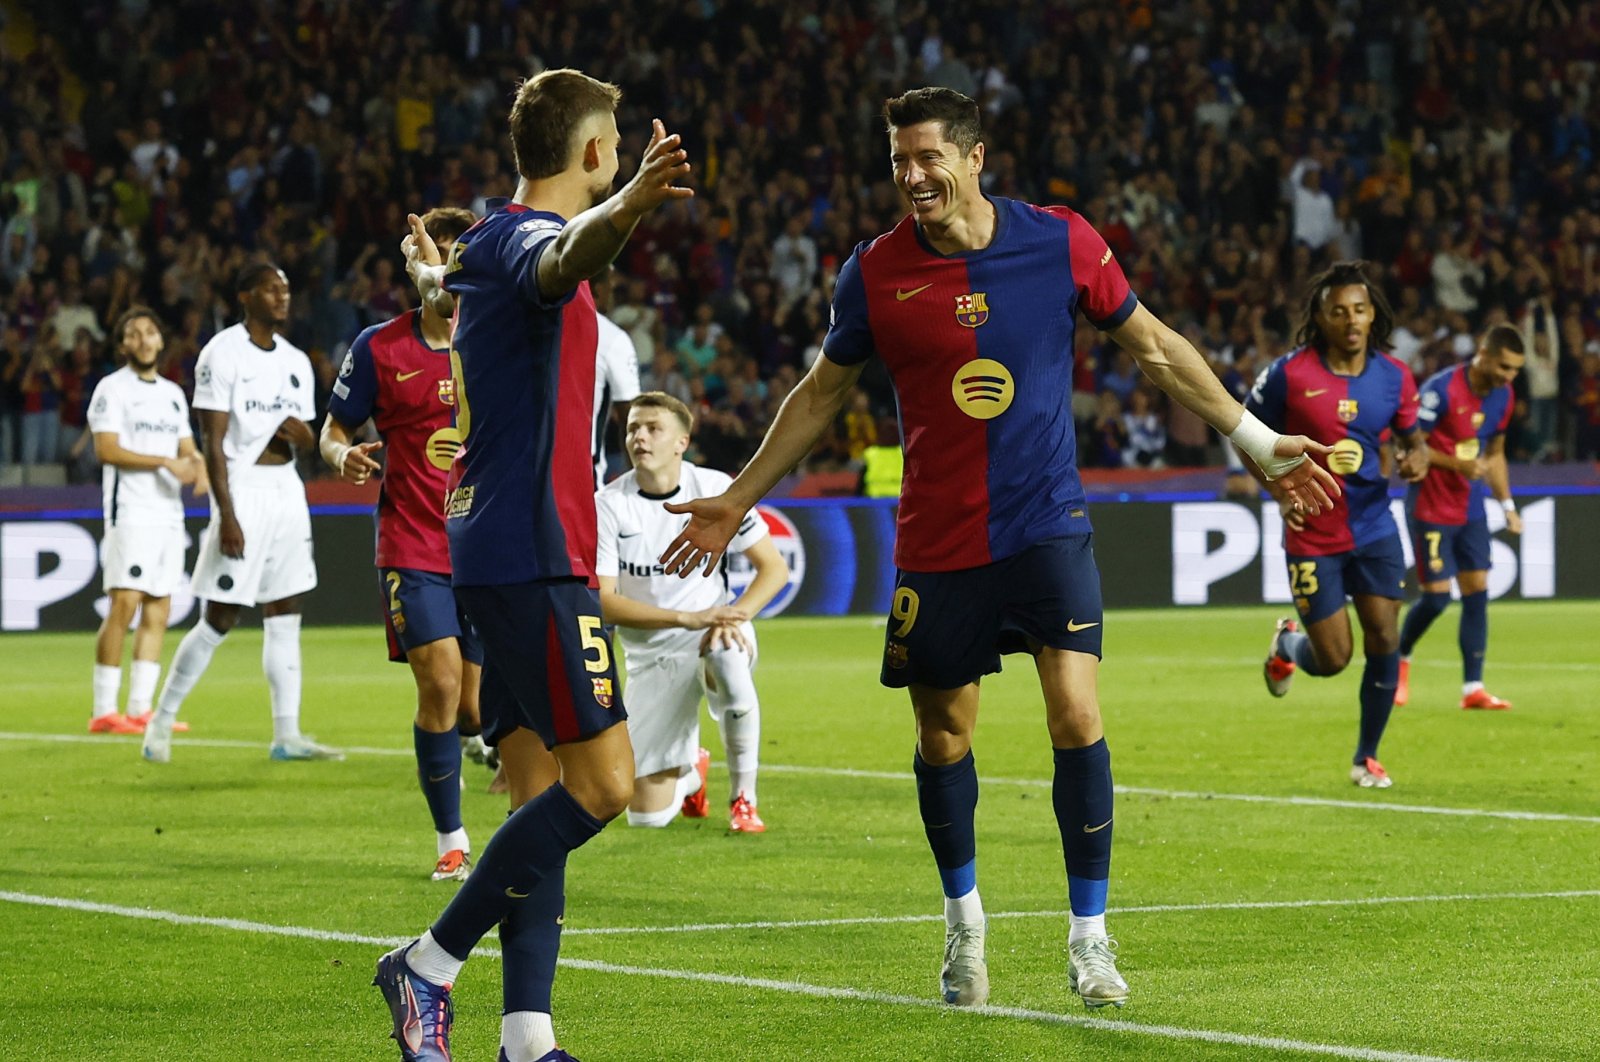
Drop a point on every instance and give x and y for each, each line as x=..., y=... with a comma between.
x=979, y=347
x=521, y=500
x=1458, y=422
x=1299, y=395
x=392, y=376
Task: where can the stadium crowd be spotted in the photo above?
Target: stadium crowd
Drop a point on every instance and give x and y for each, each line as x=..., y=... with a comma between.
x=1227, y=150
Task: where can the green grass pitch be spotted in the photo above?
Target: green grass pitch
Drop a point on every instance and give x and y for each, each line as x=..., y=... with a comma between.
x=1344, y=923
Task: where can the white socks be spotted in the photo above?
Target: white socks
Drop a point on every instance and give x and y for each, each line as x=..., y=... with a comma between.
x=968, y=909
x=741, y=737
x=107, y=683
x=655, y=819
x=456, y=839
x=280, y=659
x=526, y=1035
x=432, y=963
x=1467, y=689
x=188, y=664
x=142, y=675
x=1088, y=926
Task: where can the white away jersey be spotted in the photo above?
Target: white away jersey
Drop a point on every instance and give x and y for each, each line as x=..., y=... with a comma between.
x=148, y=417
x=616, y=379
x=635, y=528
x=257, y=389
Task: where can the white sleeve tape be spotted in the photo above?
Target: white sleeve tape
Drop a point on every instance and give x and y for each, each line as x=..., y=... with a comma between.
x=1258, y=441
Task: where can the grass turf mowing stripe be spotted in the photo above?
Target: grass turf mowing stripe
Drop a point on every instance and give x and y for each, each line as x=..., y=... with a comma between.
x=1168, y=1032
x=906, y=776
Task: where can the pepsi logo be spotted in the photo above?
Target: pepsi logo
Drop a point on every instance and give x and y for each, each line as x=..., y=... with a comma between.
x=790, y=547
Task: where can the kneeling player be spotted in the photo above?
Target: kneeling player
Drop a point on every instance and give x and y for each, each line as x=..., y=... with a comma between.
x=1339, y=386
x=398, y=375
x=1466, y=409
x=681, y=637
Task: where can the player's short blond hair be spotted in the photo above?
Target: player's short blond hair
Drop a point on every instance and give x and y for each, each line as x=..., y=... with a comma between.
x=670, y=403
x=546, y=115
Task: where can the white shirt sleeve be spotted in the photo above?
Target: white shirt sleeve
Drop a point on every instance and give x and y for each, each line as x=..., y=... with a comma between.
x=752, y=529
x=214, y=376
x=184, y=431
x=605, y=562
x=105, y=408
x=621, y=363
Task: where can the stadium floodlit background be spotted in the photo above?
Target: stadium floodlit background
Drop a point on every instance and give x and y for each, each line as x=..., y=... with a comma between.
x=229, y=908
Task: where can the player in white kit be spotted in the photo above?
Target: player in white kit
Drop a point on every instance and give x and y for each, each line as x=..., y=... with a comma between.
x=140, y=424
x=616, y=373
x=253, y=391
x=681, y=638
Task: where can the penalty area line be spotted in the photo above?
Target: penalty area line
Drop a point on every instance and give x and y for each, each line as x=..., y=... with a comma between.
x=796, y=988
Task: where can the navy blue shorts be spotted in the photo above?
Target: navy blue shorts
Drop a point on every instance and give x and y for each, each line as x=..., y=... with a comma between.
x=419, y=608
x=549, y=664
x=1443, y=550
x=1321, y=584
x=947, y=629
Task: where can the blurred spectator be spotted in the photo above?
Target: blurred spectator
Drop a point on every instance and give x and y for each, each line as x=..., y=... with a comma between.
x=1110, y=432
x=1147, y=437
x=1586, y=403
x=1542, y=372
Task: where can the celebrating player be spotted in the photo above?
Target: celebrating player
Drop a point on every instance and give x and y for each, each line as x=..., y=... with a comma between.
x=1465, y=410
x=253, y=389
x=398, y=374
x=1339, y=385
x=521, y=519
x=971, y=302
x=682, y=639
x=140, y=422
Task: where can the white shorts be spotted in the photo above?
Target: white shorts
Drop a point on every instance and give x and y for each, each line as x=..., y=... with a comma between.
x=270, y=502
x=146, y=559
x=663, y=698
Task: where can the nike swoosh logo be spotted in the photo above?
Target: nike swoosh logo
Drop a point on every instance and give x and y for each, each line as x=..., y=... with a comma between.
x=627, y=534
x=1074, y=625
x=561, y=919
x=441, y=778
x=514, y=894
x=402, y=377
x=1097, y=829
x=941, y=826
x=902, y=296
x=1319, y=391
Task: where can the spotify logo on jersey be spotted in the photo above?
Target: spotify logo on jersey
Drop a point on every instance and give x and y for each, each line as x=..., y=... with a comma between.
x=1346, y=457
x=983, y=389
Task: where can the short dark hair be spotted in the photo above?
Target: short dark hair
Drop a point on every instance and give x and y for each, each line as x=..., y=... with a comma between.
x=120, y=328
x=957, y=114
x=1343, y=275
x=250, y=275
x=446, y=224
x=547, y=112
x=1503, y=337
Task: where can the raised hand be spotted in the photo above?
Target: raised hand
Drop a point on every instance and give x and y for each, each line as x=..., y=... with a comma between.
x=418, y=247
x=664, y=163
x=712, y=524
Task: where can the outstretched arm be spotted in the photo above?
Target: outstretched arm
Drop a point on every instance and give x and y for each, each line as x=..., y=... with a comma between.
x=1179, y=370
x=804, y=416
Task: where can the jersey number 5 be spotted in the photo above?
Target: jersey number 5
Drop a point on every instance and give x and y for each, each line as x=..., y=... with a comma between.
x=589, y=629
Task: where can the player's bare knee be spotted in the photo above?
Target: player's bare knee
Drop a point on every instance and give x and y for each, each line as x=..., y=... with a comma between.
x=1075, y=723
x=1381, y=642
x=222, y=618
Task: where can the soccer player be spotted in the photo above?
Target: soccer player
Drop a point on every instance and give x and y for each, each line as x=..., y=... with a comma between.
x=682, y=639
x=397, y=374
x=140, y=423
x=253, y=390
x=971, y=303
x=1338, y=385
x=521, y=518
x=616, y=381
x=1465, y=410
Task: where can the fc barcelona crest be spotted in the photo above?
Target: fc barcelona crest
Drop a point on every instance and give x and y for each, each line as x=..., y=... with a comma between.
x=447, y=391
x=1348, y=409
x=972, y=309
x=602, y=692
x=1477, y=420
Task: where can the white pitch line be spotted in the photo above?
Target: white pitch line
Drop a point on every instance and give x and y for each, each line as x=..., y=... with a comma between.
x=906, y=776
x=1156, y=908
x=799, y=988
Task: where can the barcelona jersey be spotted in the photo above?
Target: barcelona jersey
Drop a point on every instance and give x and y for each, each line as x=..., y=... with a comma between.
x=979, y=347
x=1461, y=423
x=1299, y=395
x=393, y=377
x=521, y=501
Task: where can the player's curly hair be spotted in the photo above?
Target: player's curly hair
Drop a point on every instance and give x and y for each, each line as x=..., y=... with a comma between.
x=119, y=330
x=1344, y=275
x=546, y=115
x=251, y=273
x=959, y=114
